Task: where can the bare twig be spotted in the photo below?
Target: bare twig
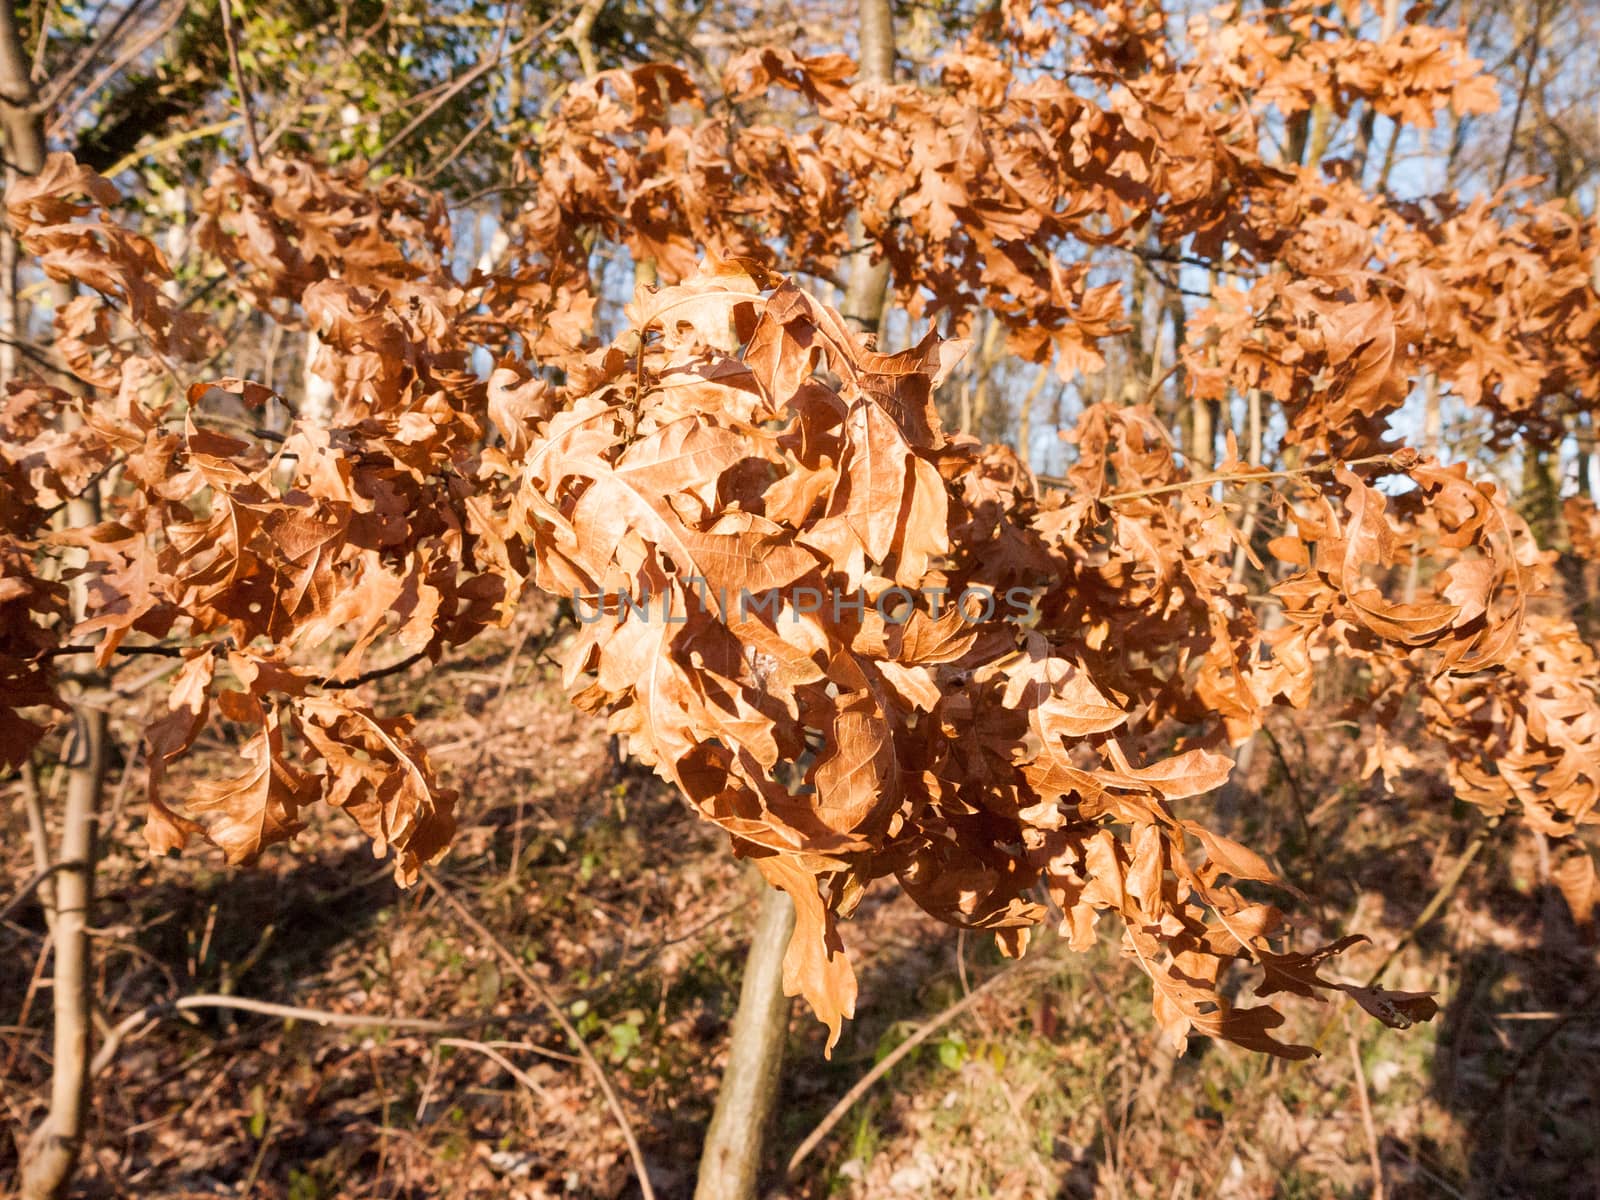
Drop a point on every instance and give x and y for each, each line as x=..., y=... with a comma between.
x=250, y=136
x=921, y=1034
x=490, y=60
x=38, y=881
x=1522, y=95
x=457, y=151
x=377, y=673
x=87, y=57
x=88, y=486
x=29, y=350
x=1582, y=1009
x=1447, y=888
x=267, y=1135
x=531, y=1047
x=1172, y=256
x=596, y=1071
x=1299, y=798
x=493, y=1055
x=130, y=50
x=179, y=651
x=1247, y=475
x=147, y=150
x=156, y=651
x=1367, y=1124
x=166, y=1008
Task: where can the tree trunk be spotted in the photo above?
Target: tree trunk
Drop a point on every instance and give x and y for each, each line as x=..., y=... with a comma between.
x=869, y=279
x=1025, y=417
x=1432, y=431
x=983, y=365
x=1540, y=502
x=24, y=131
x=24, y=151
x=1584, y=434
x=1202, y=443
x=1252, y=496
x=731, y=1160
x=52, y=1150
x=1175, y=413
x=12, y=325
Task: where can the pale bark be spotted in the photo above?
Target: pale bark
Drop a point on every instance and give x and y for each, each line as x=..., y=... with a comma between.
x=1252, y=501
x=1584, y=434
x=582, y=35
x=869, y=280
x=12, y=324
x=877, y=41
x=730, y=1162
x=1025, y=417
x=988, y=356
x=52, y=1150
x=316, y=393
x=24, y=151
x=19, y=116
x=1432, y=429
x=1202, y=444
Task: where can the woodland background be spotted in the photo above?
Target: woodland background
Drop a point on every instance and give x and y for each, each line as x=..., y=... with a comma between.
x=467, y=122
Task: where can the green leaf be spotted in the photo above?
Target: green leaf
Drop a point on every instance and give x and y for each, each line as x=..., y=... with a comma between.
x=952, y=1054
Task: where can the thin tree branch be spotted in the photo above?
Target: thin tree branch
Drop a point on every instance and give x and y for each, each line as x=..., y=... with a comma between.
x=38, y=356
x=457, y=151
x=1582, y=1009
x=921, y=1034
x=1446, y=889
x=41, y=40
x=1374, y=1155
x=172, y=141
x=65, y=79
x=133, y=50
x=33, y=885
x=494, y=1056
x=156, y=651
x=464, y=915
x=1247, y=475
x=1298, y=795
x=376, y=673
x=489, y=61
x=582, y=35
x=179, y=651
x=250, y=136
x=1187, y=260
x=1535, y=37
x=166, y=1008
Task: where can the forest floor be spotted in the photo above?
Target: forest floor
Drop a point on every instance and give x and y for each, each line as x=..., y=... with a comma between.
x=633, y=915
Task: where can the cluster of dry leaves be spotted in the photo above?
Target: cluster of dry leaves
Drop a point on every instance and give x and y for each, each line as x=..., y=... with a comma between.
x=984, y=188
x=741, y=440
